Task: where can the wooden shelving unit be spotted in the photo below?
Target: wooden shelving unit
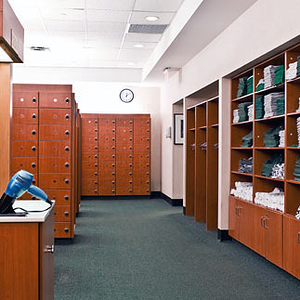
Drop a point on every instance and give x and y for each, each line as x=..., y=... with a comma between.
x=271, y=233
x=202, y=162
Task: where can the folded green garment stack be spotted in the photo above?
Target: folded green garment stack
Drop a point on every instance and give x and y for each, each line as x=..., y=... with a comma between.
x=271, y=137
x=242, y=87
x=298, y=66
x=247, y=140
x=297, y=169
x=280, y=107
x=250, y=85
x=259, y=107
x=243, y=111
x=279, y=75
x=269, y=164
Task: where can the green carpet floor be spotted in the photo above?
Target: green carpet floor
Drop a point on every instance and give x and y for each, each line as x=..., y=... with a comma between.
x=146, y=249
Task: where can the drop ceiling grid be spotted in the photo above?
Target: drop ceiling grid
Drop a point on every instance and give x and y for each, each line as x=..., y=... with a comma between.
x=72, y=30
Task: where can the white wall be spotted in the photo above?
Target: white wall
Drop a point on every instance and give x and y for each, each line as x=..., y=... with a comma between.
x=264, y=26
x=104, y=98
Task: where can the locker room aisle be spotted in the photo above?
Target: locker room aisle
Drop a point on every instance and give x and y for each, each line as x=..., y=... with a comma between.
x=146, y=249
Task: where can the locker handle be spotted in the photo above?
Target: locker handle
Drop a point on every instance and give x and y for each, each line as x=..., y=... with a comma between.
x=147, y=156
x=67, y=116
x=113, y=130
x=67, y=165
x=67, y=100
x=33, y=132
x=96, y=165
x=113, y=156
x=33, y=116
x=33, y=181
x=147, y=182
x=147, y=130
x=130, y=130
x=67, y=132
x=147, y=122
x=113, y=191
x=113, y=182
x=66, y=229
x=96, y=121
x=95, y=191
x=96, y=156
x=130, y=182
x=96, y=139
x=33, y=165
x=66, y=181
x=66, y=197
x=96, y=130
x=95, y=182
x=261, y=221
x=33, y=148
x=33, y=99
x=265, y=222
x=113, y=173
x=299, y=238
x=130, y=148
x=66, y=213
x=113, y=147
x=67, y=148
x=96, y=147
x=130, y=173
x=113, y=165
x=130, y=165
x=147, y=139
x=130, y=191
x=130, y=156
x=96, y=173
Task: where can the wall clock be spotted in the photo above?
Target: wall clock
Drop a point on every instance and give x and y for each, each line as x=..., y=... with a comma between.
x=126, y=95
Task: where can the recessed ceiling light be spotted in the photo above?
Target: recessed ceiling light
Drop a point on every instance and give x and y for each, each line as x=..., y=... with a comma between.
x=139, y=46
x=152, y=18
x=130, y=64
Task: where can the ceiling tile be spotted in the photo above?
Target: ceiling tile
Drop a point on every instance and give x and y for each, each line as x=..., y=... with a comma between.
x=138, y=17
x=107, y=27
x=134, y=55
x=129, y=64
x=63, y=14
x=55, y=25
x=105, y=42
x=138, y=37
x=66, y=34
x=130, y=45
x=157, y=5
x=107, y=15
x=103, y=54
x=111, y=4
x=61, y=3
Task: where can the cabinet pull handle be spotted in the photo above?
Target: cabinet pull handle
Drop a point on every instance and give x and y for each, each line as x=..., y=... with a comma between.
x=299, y=238
x=67, y=100
x=67, y=165
x=95, y=182
x=96, y=156
x=33, y=132
x=113, y=182
x=261, y=221
x=67, y=132
x=113, y=191
x=49, y=249
x=67, y=148
x=66, y=197
x=33, y=165
x=96, y=173
x=33, y=116
x=66, y=229
x=66, y=181
x=33, y=181
x=33, y=99
x=33, y=148
x=265, y=222
x=66, y=213
x=113, y=173
x=67, y=116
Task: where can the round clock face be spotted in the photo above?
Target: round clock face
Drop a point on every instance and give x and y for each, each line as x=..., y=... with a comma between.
x=126, y=95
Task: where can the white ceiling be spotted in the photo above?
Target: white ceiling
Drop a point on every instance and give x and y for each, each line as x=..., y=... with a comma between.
x=90, y=33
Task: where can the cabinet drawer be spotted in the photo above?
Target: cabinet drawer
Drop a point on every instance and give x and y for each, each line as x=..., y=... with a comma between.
x=141, y=191
x=106, y=175
x=25, y=99
x=107, y=130
x=124, y=122
x=107, y=147
x=55, y=148
x=89, y=138
x=142, y=131
x=91, y=182
x=22, y=132
x=55, y=100
x=109, y=155
x=89, y=166
x=55, y=132
x=61, y=197
x=141, y=173
x=25, y=115
x=55, y=181
x=124, y=165
x=24, y=148
x=142, y=157
x=54, y=165
x=55, y=116
x=142, y=148
x=90, y=156
x=89, y=190
x=124, y=190
x=107, y=166
x=142, y=165
x=89, y=174
x=126, y=157
x=107, y=139
x=62, y=213
x=143, y=122
x=63, y=230
x=142, y=140
x=107, y=191
x=124, y=131
x=89, y=146
x=124, y=173
x=125, y=181
x=125, y=139
x=24, y=163
x=107, y=122
x=89, y=122
x=124, y=148
x=107, y=182
x=141, y=182
x=89, y=130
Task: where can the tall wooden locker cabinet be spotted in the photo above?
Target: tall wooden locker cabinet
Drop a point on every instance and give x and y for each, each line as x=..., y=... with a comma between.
x=44, y=143
x=115, y=154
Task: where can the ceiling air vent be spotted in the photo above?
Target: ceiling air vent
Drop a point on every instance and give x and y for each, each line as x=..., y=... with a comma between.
x=39, y=48
x=148, y=29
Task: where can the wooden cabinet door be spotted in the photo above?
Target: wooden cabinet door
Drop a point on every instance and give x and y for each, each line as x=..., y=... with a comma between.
x=55, y=165
x=24, y=163
x=25, y=115
x=62, y=213
x=55, y=148
x=63, y=230
x=259, y=230
x=55, y=116
x=273, y=242
x=233, y=222
x=47, y=259
x=55, y=100
x=24, y=148
x=89, y=166
x=89, y=122
x=55, y=181
x=141, y=148
x=55, y=132
x=22, y=132
x=25, y=99
x=291, y=245
x=90, y=157
x=61, y=197
x=107, y=122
